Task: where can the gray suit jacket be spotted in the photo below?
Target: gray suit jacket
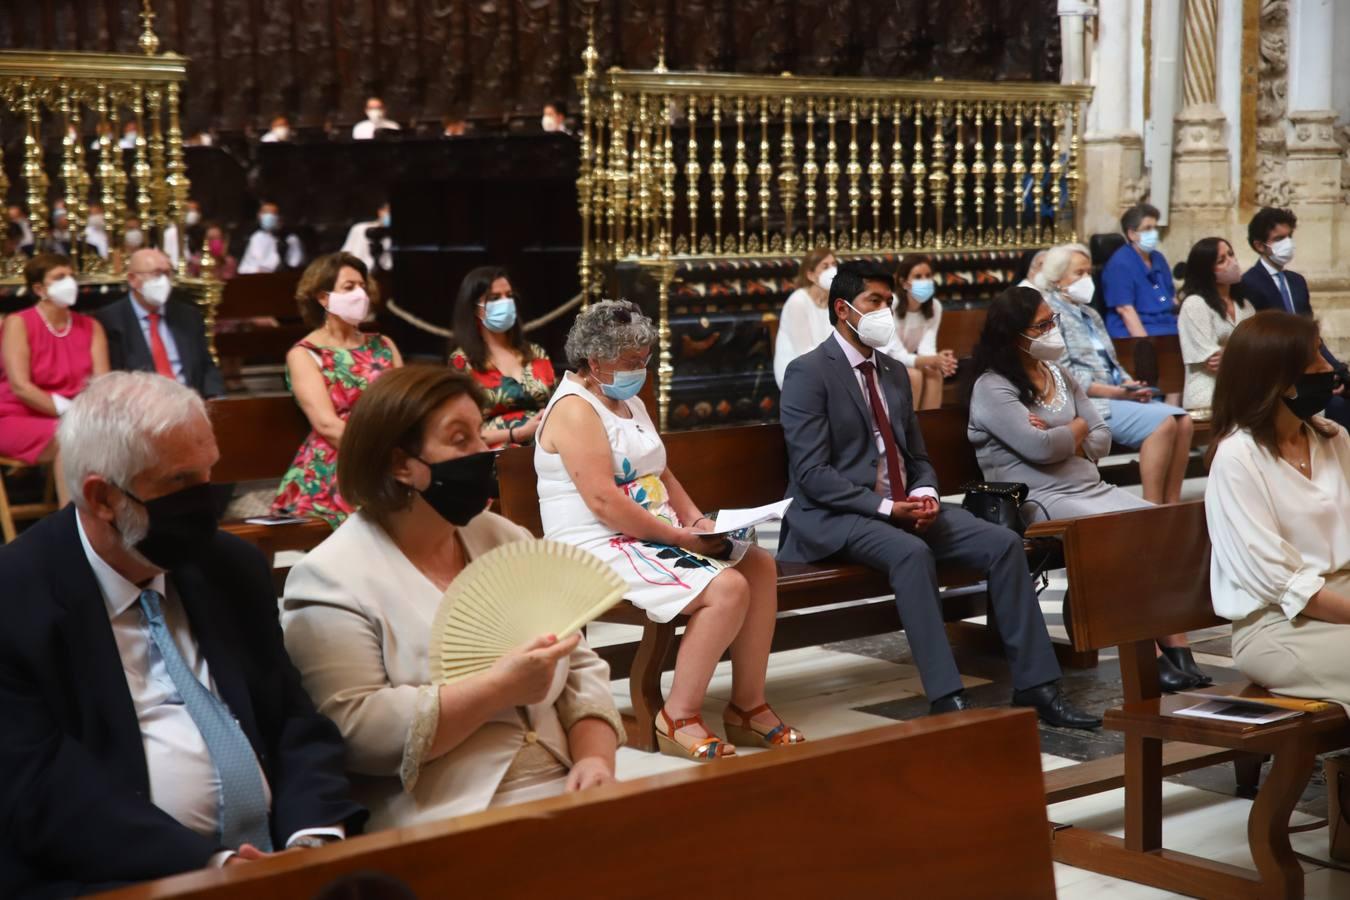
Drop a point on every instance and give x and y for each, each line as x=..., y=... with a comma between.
x=832, y=454
x=128, y=349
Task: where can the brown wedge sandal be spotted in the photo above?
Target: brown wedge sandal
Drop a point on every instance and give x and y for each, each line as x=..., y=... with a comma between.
x=704, y=750
x=747, y=734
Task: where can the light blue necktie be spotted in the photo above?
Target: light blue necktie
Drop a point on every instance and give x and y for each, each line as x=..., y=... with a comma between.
x=1284, y=292
x=243, y=817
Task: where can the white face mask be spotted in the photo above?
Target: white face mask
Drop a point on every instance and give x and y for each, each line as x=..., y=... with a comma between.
x=875, y=329
x=155, y=291
x=375, y=113
x=548, y=123
x=192, y=217
x=1048, y=347
x=134, y=238
x=826, y=278
x=1081, y=291
x=1281, y=252
x=63, y=291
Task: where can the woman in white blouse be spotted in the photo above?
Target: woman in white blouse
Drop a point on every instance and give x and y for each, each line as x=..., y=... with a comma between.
x=805, y=322
x=1208, y=315
x=1278, y=506
x=917, y=318
x=358, y=611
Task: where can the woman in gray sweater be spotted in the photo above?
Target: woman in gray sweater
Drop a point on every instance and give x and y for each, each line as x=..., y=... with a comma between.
x=1031, y=422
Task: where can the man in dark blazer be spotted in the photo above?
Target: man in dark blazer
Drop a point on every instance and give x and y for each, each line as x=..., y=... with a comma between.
x=151, y=331
x=152, y=721
x=1270, y=284
x=867, y=494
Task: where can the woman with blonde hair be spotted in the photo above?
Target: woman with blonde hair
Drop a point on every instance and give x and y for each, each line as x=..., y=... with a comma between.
x=804, y=322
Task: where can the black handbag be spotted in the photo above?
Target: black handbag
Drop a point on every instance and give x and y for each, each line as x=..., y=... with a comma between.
x=999, y=502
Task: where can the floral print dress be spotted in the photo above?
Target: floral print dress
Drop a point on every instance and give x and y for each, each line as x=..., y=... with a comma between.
x=508, y=401
x=310, y=486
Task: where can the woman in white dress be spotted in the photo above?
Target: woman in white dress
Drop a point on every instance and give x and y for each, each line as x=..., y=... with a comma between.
x=1278, y=506
x=604, y=486
x=804, y=322
x=1210, y=312
x=918, y=315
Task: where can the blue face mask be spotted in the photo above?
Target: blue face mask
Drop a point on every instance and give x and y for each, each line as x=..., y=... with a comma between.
x=1148, y=240
x=268, y=221
x=384, y=220
x=626, y=384
x=499, y=315
x=922, y=289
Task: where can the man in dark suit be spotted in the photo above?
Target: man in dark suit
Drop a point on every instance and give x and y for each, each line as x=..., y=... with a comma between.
x=1270, y=284
x=151, y=331
x=865, y=492
x=152, y=721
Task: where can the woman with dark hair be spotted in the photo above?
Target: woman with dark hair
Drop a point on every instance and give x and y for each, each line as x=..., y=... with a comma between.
x=1278, y=506
x=918, y=315
x=327, y=371
x=804, y=322
x=1031, y=422
x=516, y=376
x=1212, y=309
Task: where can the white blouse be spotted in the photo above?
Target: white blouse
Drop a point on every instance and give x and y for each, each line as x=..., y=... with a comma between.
x=1276, y=534
x=915, y=336
x=801, y=327
x=1202, y=332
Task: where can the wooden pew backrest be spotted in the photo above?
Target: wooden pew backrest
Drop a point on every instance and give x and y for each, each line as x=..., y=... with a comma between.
x=1171, y=370
x=863, y=815
x=257, y=436
x=960, y=330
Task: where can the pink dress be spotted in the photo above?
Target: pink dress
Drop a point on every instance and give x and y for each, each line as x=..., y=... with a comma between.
x=57, y=365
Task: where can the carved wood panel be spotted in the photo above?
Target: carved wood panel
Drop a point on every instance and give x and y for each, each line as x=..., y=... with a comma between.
x=317, y=60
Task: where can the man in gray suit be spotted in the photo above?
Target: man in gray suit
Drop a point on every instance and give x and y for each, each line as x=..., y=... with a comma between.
x=867, y=494
x=150, y=331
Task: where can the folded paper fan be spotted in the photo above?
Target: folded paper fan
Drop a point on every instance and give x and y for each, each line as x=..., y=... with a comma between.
x=512, y=595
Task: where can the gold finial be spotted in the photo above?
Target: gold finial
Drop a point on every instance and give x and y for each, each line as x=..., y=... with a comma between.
x=590, y=56
x=661, y=51
x=149, y=42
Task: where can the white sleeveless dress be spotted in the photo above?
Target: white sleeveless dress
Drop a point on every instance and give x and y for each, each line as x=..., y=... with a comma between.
x=662, y=580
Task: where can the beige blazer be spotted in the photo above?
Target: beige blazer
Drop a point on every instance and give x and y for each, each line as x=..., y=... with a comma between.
x=357, y=618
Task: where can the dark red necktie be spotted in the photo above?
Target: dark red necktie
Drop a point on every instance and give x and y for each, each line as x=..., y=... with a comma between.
x=895, y=473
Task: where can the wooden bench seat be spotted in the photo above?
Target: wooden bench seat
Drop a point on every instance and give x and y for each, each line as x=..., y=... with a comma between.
x=1150, y=572
x=832, y=817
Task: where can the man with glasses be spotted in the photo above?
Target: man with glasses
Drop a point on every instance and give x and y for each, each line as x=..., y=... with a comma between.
x=865, y=492
x=149, y=330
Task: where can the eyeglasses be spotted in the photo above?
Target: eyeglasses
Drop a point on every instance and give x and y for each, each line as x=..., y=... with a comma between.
x=1046, y=326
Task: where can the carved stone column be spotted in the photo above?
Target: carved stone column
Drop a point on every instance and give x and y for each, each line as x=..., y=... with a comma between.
x=1113, y=152
x=1202, y=178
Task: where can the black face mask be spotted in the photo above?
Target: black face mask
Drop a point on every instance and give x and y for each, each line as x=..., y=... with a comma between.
x=460, y=488
x=1314, y=393
x=182, y=525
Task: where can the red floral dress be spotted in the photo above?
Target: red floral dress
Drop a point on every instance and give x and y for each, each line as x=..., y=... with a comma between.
x=310, y=486
x=508, y=401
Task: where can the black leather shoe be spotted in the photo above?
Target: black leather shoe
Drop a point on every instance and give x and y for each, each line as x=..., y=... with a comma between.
x=1053, y=709
x=1171, y=678
x=953, y=702
x=1182, y=658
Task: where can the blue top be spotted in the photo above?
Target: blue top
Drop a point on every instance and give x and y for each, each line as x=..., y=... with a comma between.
x=1126, y=281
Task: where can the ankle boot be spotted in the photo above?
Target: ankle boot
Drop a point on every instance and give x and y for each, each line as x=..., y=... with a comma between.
x=1170, y=678
x=1184, y=660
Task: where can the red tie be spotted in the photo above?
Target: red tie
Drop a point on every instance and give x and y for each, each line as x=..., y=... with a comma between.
x=895, y=473
x=157, y=351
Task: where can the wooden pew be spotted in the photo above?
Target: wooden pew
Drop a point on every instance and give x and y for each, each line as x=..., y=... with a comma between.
x=1133, y=596
x=833, y=817
x=258, y=319
x=257, y=438
x=747, y=466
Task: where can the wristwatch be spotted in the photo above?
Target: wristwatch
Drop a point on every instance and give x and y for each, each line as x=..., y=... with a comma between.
x=311, y=841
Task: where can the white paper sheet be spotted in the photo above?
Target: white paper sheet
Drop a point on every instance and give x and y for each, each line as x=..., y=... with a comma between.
x=729, y=520
x=1237, y=712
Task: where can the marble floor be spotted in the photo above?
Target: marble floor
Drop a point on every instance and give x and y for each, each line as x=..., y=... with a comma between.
x=854, y=685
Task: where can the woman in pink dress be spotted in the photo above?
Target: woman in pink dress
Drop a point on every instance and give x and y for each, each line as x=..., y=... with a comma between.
x=48, y=353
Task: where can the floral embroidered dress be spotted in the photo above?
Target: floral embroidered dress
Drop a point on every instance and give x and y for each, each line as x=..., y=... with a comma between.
x=310, y=486
x=511, y=402
x=662, y=580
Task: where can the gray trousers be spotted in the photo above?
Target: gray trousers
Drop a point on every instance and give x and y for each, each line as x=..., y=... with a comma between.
x=957, y=537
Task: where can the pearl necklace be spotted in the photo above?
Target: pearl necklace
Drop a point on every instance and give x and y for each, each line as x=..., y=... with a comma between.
x=70, y=322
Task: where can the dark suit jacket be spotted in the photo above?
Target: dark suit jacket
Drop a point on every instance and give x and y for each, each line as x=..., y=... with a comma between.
x=128, y=348
x=832, y=453
x=75, y=810
x=1260, y=288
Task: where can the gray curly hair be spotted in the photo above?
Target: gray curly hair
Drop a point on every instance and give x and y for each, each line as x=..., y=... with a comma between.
x=607, y=330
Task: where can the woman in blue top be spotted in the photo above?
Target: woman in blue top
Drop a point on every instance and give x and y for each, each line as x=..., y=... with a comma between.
x=1140, y=296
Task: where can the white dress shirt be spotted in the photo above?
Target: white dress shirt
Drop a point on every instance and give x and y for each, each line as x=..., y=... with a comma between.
x=183, y=779
x=261, y=253
x=358, y=245
x=883, y=485
x=365, y=130
x=1276, y=533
